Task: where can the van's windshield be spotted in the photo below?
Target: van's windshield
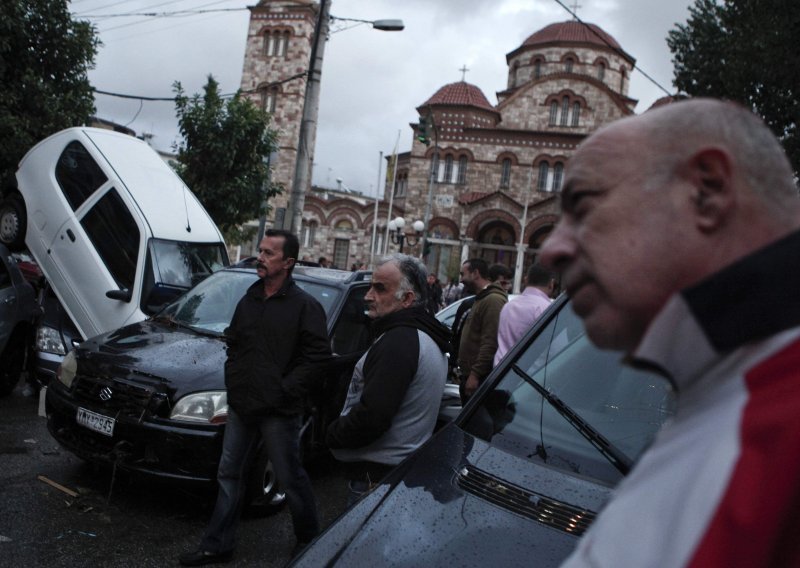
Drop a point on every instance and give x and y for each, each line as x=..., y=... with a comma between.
x=173, y=267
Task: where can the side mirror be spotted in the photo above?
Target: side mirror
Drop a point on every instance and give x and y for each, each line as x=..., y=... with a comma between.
x=123, y=295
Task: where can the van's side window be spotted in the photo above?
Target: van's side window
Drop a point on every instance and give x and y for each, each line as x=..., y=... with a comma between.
x=115, y=236
x=78, y=174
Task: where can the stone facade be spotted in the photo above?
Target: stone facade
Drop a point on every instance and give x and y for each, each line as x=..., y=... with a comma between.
x=489, y=181
x=492, y=174
x=276, y=59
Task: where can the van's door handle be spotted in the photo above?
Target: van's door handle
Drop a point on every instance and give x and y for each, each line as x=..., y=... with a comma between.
x=71, y=235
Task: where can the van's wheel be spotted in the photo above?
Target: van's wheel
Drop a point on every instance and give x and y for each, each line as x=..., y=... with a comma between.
x=12, y=361
x=263, y=494
x=13, y=222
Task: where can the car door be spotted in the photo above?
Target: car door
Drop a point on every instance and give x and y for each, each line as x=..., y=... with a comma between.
x=96, y=249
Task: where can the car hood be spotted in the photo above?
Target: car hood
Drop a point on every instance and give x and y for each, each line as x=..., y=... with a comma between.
x=457, y=501
x=156, y=353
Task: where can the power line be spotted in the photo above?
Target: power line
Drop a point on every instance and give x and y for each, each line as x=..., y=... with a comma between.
x=224, y=96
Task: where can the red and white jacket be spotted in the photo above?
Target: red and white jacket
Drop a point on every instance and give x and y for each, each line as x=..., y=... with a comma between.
x=720, y=486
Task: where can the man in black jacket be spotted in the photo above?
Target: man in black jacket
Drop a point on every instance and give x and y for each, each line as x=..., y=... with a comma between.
x=277, y=342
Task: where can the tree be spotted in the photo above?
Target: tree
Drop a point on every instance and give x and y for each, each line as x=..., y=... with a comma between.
x=223, y=156
x=744, y=50
x=45, y=57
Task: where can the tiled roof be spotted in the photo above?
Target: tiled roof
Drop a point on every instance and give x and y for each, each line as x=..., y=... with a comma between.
x=461, y=93
x=572, y=32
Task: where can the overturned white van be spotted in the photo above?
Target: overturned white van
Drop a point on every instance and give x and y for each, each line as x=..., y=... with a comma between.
x=113, y=228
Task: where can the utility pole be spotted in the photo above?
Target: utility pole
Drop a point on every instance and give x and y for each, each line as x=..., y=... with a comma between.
x=434, y=160
x=308, y=126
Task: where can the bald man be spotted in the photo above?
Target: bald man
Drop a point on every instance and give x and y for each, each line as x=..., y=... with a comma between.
x=679, y=245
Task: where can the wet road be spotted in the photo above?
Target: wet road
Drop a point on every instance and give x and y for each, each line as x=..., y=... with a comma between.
x=135, y=523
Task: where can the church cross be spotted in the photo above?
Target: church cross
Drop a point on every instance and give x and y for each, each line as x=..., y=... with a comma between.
x=464, y=72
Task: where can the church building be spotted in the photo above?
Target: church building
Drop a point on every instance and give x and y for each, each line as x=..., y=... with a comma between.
x=489, y=176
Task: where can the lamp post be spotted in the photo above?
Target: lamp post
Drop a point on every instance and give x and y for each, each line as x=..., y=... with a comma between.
x=399, y=237
x=308, y=125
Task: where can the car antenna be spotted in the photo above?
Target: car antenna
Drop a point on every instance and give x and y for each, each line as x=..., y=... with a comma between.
x=186, y=208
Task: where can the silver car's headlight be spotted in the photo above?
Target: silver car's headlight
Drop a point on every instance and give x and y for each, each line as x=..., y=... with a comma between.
x=68, y=369
x=211, y=407
x=48, y=340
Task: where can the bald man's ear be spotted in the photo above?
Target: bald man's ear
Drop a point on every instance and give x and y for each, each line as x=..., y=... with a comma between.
x=713, y=196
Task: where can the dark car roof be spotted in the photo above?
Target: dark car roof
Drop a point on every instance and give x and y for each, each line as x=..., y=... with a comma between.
x=312, y=271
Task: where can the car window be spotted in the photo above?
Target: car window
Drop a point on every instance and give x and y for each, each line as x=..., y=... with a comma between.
x=324, y=294
x=78, y=174
x=172, y=267
x=626, y=406
x=210, y=304
x=352, y=332
x=115, y=235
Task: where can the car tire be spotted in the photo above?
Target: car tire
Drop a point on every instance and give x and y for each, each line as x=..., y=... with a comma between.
x=263, y=494
x=13, y=222
x=12, y=362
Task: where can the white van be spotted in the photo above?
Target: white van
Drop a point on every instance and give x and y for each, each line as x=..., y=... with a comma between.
x=113, y=228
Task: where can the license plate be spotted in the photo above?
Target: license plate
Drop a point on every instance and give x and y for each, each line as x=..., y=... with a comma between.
x=96, y=422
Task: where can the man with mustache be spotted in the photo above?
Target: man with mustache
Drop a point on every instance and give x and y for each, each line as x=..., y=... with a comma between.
x=678, y=245
x=396, y=389
x=277, y=344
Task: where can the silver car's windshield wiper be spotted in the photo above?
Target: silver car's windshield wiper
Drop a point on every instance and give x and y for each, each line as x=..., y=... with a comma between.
x=613, y=454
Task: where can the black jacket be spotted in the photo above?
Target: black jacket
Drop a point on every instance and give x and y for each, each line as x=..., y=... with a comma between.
x=277, y=348
x=389, y=368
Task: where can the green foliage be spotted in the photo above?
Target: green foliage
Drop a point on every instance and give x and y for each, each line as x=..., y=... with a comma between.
x=744, y=50
x=223, y=156
x=45, y=57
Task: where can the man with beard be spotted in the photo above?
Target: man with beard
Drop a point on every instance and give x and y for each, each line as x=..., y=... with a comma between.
x=478, y=341
x=277, y=343
x=396, y=389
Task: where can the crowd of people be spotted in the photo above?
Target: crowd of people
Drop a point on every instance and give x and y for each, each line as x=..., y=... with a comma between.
x=676, y=246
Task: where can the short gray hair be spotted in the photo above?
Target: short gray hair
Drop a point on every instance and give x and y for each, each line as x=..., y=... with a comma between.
x=414, y=276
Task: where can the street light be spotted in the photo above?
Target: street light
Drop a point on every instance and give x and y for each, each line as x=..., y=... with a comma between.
x=399, y=237
x=308, y=124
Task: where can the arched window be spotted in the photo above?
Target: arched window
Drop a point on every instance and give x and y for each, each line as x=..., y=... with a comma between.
x=462, y=170
x=537, y=68
x=558, y=176
x=564, y=111
x=276, y=43
x=269, y=99
x=569, y=63
x=576, y=113
x=505, y=175
x=309, y=232
x=343, y=225
x=541, y=184
x=435, y=167
x=553, y=113
x=448, y=169
x=622, y=80
x=601, y=70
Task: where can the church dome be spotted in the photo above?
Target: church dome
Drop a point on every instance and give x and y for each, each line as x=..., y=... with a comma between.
x=461, y=93
x=572, y=32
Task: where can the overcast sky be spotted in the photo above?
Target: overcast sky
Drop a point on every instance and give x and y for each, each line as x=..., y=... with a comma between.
x=372, y=81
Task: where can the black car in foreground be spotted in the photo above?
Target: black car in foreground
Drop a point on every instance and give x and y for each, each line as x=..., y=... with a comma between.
x=521, y=473
x=150, y=397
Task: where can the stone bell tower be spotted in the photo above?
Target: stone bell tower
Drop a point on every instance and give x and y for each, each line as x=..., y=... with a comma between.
x=276, y=60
